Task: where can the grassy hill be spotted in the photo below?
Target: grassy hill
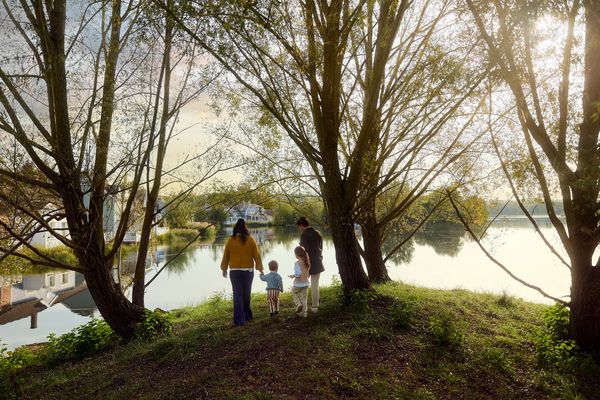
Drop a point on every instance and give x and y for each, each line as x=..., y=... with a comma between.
x=401, y=343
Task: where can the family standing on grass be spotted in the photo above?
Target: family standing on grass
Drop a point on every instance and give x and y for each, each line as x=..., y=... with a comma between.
x=241, y=257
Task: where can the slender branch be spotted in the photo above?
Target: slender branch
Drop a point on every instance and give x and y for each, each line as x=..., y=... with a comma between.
x=495, y=261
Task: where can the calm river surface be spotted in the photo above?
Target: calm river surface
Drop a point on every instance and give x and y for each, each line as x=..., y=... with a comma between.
x=34, y=306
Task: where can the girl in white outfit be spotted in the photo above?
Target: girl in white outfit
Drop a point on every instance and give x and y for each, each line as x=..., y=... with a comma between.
x=300, y=285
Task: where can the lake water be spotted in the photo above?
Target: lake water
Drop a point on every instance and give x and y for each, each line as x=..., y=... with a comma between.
x=34, y=306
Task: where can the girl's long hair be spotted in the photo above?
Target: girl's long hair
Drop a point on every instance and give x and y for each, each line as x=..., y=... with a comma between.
x=303, y=255
x=241, y=229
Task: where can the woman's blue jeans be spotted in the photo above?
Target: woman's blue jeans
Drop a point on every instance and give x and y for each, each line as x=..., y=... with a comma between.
x=241, y=282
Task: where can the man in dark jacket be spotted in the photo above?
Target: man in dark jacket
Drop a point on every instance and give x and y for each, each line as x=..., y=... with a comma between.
x=312, y=241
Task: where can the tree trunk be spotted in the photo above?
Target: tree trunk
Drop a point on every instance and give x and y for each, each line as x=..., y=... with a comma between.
x=585, y=301
x=347, y=257
x=139, y=281
x=115, y=308
x=373, y=256
x=347, y=254
x=582, y=216
x=372, y=235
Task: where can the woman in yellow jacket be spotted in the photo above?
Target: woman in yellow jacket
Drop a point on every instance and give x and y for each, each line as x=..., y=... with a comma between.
x=241, y=257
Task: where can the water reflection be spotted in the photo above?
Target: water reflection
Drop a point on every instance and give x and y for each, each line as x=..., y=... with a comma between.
x=404, y=254
x=25, y=296
x=176, y=256
x=445, y=239
x=441, y=256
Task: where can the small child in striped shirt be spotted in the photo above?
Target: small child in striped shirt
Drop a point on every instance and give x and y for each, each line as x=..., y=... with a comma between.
x=274, y=287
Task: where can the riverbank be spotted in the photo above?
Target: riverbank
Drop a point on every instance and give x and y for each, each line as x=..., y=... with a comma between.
x=404, y=343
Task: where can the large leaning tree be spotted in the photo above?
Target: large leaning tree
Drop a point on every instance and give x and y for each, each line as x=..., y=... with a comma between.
x=557, y=102
x=87, y=107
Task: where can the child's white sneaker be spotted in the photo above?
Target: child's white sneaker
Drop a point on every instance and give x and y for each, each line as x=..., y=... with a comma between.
x=299, y=308
x=314, y=309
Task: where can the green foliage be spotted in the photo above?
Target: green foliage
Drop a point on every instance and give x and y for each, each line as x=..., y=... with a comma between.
x=359, y=300
x=313, y=209
x=402, y=313
x=556, y=322
x=498, y=358
x=20, y=358
x=472, y=208
x=285, y=215
x=180, y=210
x=18, y=265
x=10, y=365
x=505, y=300
x=337, y=287
x=444, y=330
x=553, y=345
x=423, y=394
x=153, y=324
x=178, y=235
x=562, y=353
x=359, y=355
x=229, y=195
x=217, y=215
x=60, y=253
x=218, y=301
x=81, y=342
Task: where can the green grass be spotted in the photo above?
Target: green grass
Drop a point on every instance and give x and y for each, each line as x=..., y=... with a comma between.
x=184, y=235
x=382, y=349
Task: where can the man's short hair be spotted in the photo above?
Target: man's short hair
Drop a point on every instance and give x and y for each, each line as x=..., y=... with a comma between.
x=302, y=222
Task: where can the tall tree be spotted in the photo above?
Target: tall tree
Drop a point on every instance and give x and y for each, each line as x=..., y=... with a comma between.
x=175, y=83
x=53, y=148
x=415, y=92
x=73, y=106
x=293, y=57
x=332, y=76
x=557, y=108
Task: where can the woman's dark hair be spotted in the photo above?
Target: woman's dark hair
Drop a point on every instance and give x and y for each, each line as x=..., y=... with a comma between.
x=241, y=229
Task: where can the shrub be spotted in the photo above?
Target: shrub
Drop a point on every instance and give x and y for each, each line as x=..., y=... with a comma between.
x=360, y=299
x=402, y=313
x=338, y=288
x=553, y=345
x=81, y=342
x=154, y=323
x=218, y=300
x=556, y=322
x=444, y=330
x=10, y=365
x=20, y=358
